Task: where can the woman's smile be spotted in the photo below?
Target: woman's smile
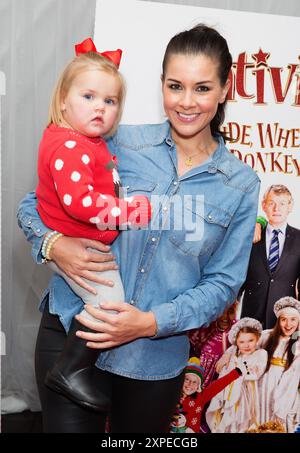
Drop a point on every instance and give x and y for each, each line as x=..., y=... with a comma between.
x=187, y=117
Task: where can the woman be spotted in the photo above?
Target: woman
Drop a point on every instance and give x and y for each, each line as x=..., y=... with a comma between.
x=181, y=272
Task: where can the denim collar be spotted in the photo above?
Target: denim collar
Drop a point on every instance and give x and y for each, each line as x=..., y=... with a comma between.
x=219, y=159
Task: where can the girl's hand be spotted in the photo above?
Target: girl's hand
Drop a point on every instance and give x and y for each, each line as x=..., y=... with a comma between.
x=124, y=326
x=257, y=233
x=279, y=420
x=72, y=257
x=223, y=362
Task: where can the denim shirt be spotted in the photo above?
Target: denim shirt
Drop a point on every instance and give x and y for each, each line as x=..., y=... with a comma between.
x=185, y=274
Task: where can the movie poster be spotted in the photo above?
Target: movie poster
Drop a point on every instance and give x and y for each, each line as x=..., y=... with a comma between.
x=243, y=375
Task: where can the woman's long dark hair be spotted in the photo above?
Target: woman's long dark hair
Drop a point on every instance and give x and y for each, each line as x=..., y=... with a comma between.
x=273, y=342
x=202, y=39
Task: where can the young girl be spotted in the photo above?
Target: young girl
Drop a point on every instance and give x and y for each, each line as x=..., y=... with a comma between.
x=210, y=343
x=237, y=408
x=193, y=397
x=78, y=194
x=278, y=387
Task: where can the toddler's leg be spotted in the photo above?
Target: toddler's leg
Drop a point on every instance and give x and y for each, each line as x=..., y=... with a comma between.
x=73, y=374
x=104, y=293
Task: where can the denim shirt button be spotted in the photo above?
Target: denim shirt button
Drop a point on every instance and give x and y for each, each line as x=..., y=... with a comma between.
x=132, y=302
x=165, y=208
x=175, y=183
x=153, y=239
x=29, y=223
x=142, y=270
x=38, y=230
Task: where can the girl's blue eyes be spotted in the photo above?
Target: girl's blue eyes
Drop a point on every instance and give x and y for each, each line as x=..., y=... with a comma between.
x=108, y=101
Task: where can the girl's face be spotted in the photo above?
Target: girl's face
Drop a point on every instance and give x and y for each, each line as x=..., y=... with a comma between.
x=191, y=383
x=91, y=106
x=288, y=324
x=226, y=319
x=246, y=343
x=191, y=94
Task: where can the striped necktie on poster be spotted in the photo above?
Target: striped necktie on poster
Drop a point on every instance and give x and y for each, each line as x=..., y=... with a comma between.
x=274, y=251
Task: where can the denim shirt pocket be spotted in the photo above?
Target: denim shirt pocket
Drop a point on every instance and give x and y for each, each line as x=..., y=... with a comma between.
x=204, y=227
x=134, y=186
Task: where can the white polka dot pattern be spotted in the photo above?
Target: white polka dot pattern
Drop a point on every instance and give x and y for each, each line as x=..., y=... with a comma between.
x=67, y=199
x=90, y=187
x=75, y=176
x=115, y=212
x=85, y=159
x=87, y=201
x=59, y=164
x=103, y=196
x=70, y=144
x=95, y=220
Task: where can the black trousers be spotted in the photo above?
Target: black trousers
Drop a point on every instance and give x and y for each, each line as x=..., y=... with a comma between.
x=137, y=406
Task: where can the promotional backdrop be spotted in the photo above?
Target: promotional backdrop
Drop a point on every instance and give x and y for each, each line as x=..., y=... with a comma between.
x=263, y=112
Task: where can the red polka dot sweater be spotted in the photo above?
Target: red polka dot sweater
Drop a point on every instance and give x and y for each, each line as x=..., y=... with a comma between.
x=77, y=193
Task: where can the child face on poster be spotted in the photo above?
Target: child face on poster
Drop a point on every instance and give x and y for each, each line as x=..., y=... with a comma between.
x=246, y=342
x=224, y=322
x=277, y=205
x=288, y=324
x=192, y=384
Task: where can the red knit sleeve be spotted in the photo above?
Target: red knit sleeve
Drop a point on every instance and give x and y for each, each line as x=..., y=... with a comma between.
x=73, y=175
x=217, y=386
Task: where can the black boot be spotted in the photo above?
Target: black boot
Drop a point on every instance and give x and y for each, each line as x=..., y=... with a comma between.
x=75, y=375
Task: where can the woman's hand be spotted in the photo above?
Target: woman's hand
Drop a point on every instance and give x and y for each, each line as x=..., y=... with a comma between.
x=124, y=326
x=257, y=233
x=72, y=257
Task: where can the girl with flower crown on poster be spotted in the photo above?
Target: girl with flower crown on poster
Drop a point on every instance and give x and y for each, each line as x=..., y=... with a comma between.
x=278, y=388
x=236, y=408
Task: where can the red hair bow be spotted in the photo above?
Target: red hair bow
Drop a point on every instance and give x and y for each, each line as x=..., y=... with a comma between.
x=88, y=46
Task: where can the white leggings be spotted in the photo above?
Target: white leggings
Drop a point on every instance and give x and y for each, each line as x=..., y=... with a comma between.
x=104, y=293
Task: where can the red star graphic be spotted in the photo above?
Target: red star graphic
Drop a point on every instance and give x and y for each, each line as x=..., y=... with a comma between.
x=261, y=57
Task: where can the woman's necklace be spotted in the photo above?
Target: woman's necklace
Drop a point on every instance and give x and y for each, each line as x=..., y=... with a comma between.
x=189, y=159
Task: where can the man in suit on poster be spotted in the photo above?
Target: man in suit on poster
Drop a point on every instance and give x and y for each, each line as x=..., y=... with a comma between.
x=274, y=265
